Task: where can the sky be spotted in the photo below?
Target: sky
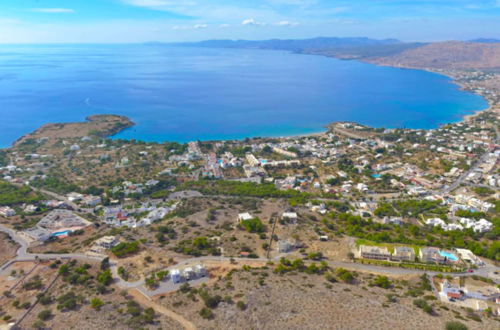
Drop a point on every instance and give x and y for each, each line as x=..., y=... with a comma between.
x=129, y=21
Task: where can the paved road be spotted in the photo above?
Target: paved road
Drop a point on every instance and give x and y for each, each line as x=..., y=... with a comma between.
x=23, y=255
x=166, y=287
x=474, y=167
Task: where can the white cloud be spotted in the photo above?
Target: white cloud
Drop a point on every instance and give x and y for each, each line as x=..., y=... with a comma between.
x=161, y=4
x=252, y=22
x=190, y=27
x=286, y=23
x=53, y=10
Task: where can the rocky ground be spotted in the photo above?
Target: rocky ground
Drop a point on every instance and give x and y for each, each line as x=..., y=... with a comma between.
x=299, y=301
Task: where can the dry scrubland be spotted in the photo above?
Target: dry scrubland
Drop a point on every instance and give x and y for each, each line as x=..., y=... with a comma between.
x=103, y=125
x=7, y=248
x=118, y=308
x=302, y=301
x=446, y=55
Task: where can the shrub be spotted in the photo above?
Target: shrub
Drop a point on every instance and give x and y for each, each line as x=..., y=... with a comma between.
x=96, y=303
x=241, y=305
x=133, y=308
x=45, y=315
x=345, y=276
x=253, y=225
x=67, y=301
x=421, y=303
x=455, y=325
x=382, y=282
x=206, y=313
x=124, y=249
x=210, y=301
x=44, y=299
x=105, y=277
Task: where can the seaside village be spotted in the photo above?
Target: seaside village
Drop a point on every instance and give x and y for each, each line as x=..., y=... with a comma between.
x=439, y=185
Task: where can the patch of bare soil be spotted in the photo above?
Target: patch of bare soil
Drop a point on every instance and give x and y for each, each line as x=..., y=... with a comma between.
x=8, y=248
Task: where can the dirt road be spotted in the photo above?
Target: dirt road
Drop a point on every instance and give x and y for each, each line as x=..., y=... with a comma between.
x=141, y=299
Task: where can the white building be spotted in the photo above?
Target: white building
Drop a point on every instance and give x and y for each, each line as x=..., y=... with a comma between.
x=245, y=217
x=290, y=217
x=175, y=275
x=7, y=211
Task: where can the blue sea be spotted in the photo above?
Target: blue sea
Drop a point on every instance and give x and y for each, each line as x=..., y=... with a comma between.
x=184, y=94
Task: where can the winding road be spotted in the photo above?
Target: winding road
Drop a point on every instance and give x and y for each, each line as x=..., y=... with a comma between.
x=145, y=295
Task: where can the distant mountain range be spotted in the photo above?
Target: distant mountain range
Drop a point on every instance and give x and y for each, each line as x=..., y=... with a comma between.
x=295, y=44
x=348, y=48
x=479, y=53
x=486, y=41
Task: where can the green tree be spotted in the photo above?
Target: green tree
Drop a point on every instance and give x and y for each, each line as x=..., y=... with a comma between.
x=105, y=277
x=45, y=315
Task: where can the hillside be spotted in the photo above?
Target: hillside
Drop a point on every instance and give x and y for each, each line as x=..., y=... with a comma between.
x=478, y=54
x=320, y=43
x=97, y=125
x=452, y=55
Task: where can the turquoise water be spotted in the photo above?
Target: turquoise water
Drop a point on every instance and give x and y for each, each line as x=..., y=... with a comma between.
x=376, y=176
x=185, y=94
x=448, y=255
x=61, y=233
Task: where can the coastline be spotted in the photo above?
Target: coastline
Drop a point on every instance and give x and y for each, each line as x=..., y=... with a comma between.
x=105, y=125
x=113, y=131
x=491, y=104
x=453, y=80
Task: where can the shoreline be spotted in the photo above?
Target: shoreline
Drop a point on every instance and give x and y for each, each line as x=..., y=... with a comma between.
x=110, y=133
x=462, y=87
x=325, y=129
x=98, y=125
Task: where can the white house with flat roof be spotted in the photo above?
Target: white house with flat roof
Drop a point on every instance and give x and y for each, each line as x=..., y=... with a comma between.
x=245, y=217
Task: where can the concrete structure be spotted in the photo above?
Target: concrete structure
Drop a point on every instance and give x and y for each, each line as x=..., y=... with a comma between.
x=284, y=246
x=285, y=153
x=403, y=253
x=200, y=271
x=107, y=242
x=374, y=252
x=431, y=255
x=245, y=217
x=290, y=217
x=91, y=200
x=7, y=212
x=175, y=275
x=468, y=256
x=189, y=274
x=252, y=160
x=62, y=219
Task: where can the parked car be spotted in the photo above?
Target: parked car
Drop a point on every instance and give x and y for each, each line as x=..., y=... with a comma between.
x=470, y=271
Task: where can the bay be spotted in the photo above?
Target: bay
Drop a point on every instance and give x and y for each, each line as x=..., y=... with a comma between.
x=186, y=93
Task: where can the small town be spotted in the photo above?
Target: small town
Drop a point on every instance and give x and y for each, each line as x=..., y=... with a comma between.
x=259, y=233
x=398, y=202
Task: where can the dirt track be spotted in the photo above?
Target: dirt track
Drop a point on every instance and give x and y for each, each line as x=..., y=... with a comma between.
x=162, y=310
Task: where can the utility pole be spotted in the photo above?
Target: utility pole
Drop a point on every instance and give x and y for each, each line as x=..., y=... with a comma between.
x=272, y=234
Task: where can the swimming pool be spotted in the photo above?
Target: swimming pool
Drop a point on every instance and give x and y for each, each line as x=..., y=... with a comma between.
x=376, y=176
x=448, y=255
x=61, y=233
